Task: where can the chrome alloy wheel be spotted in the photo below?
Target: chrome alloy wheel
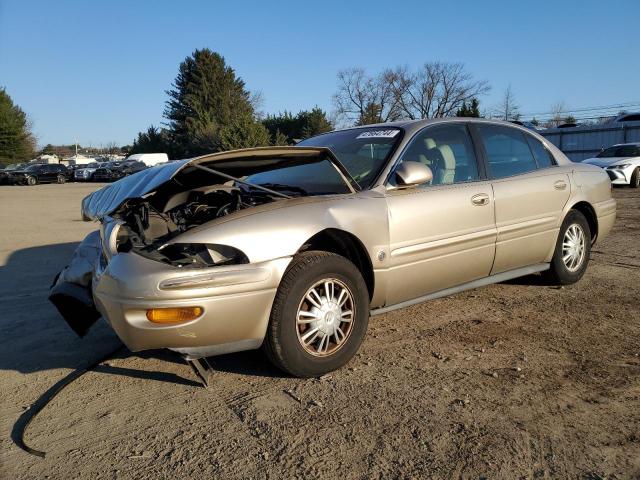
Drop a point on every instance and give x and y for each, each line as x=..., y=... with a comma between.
x=325, y=317
x=574, y=247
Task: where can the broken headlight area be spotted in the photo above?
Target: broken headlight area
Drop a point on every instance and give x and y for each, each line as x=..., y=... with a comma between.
x=194, y=255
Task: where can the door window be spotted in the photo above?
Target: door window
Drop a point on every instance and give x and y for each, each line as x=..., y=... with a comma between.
x=447, y=150
x=542, y=155
x=507, y=150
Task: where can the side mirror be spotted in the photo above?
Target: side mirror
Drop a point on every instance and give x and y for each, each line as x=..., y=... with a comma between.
x=409, y=174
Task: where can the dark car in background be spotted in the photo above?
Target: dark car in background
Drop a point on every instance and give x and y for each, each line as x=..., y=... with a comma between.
x=112, y=171
x=84, y=173
x=5, y=173
x=39, y=173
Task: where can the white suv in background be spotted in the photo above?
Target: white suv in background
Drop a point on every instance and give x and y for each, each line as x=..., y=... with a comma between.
x=621, y=162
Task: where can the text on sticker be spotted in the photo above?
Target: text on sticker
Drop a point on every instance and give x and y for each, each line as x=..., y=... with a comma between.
x=378, y=134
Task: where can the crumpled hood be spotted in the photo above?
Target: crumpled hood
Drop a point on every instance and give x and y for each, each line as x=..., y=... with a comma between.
x=108, y=199
x=604, y=162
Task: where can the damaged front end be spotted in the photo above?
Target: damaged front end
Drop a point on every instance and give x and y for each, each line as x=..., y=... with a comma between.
x=142, y=217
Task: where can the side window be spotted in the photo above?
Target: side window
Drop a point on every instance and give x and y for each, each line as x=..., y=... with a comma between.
x=542, y=155
x=447, y=150
x=507, y=150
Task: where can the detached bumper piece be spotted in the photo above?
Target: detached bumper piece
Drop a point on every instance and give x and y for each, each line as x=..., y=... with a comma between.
x=71, y=289
x=75, y=304
x=202, y=368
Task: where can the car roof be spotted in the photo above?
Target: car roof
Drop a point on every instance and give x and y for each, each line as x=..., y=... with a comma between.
x=414, y=125
x=632, y=144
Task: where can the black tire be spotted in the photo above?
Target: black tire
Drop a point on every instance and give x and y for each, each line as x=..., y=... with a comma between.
x=61, y=179
x=635, y=178
x=32, y=181
x=560, y=273
x=282, y=344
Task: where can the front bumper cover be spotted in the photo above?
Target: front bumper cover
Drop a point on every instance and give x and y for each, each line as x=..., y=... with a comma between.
x=236, y=300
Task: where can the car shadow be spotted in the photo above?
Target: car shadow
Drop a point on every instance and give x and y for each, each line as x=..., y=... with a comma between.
x=36, y=338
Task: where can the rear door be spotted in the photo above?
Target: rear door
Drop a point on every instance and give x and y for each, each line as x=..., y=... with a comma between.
x=47, y=173
x=530, y=193
x=443, y=233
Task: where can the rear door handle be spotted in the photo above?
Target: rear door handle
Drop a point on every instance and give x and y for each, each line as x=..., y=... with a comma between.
x=560, y=185
x=480, y=199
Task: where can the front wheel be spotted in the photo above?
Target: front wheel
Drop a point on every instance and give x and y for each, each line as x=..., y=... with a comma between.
x=319, y=316
x=572, y=252
x=31, y=181
x=635, y=178
x=61, y=179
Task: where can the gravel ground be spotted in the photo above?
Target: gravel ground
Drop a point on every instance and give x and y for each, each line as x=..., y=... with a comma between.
x=516, y=380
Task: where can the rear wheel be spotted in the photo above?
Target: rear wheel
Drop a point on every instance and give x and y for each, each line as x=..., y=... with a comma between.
x=32, y=180
x=319, y=316
x=635, y=178
x=572, y=252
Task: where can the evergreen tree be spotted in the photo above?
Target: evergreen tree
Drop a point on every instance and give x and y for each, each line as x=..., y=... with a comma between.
x=16, y=141
x=242, y=132
x=279, y=139
x=209, y=108
x=154, y=140
x=315, y=122
x=372, y=114
x=287, y=127
x=48, y=149
x=471, y=110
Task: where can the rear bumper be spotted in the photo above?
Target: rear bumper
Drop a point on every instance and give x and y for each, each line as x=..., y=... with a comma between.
x=236, y=301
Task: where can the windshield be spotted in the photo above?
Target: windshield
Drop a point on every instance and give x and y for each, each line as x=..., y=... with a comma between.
x=31, y=168
x=620, y=151
x=363, y=151
x=316, y=176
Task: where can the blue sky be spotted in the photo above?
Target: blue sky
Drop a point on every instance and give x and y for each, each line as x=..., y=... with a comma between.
x=97, y=71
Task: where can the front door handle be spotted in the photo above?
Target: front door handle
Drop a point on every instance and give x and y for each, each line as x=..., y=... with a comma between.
x=480, y=199
x=560, y=185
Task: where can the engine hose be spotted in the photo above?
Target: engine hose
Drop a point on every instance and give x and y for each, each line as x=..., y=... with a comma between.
x=20, y=427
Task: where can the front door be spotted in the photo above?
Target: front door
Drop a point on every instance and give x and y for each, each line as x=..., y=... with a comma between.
x=442, y=234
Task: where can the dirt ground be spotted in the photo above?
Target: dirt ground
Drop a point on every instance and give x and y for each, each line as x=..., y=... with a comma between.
x=516, y=380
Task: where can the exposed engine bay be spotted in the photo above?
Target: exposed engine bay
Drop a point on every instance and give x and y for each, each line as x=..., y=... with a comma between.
x=149, y=224
x=145, y=212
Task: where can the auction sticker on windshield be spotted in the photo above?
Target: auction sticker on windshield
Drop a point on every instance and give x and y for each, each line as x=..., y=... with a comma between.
x=378, y=134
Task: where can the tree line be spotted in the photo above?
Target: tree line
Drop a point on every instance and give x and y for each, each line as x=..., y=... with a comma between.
x=210, y=109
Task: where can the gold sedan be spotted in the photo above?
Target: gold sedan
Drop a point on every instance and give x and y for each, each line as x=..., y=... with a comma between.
x=292, y=249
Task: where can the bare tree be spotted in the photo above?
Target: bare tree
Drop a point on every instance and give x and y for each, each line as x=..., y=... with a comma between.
x=363, y=99
x=508, y=109
x=557, y=109
x=112, y=148
x=437, y=89
x=256, y=99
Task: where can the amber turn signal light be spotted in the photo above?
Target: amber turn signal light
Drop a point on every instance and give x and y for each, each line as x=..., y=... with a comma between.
x=173, y=315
